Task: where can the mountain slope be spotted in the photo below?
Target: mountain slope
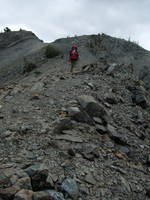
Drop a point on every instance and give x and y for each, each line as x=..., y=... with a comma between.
x=23, y=44
x=14, y=46
x=75, y=136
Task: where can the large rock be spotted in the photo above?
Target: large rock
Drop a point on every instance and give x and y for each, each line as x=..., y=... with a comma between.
x=84, y=100
x=138, y=96
x=48, y=195
x=80, y=116
x=12, y=179
x=8, y=193
x=114, y=135
x=70, y=187
x=24, y=195
x=93, y=108
x=39, y=176
x=40, y=195
x=61, y=125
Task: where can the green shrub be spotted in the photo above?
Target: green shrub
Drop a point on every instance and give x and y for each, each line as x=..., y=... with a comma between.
x=28, y=67
x=51, y=52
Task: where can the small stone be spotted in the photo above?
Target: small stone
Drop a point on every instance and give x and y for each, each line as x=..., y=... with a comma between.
x=124, y=150
x=89, y=179
x=92, y=86
x=101, y=129
x=54, y=195
x=25, y=128
x=48, y=195
x=90, y=152
x=42, y=195
x=84, y=190
x=7, y=134
x=70, y=187
x=107, y=105
x=35, y=96
x=116, y=137
x=84, y=100
x=15, y=91
x=111, y=99
x=69, y=132
x=62, y=78
x=15, y=110
x=80, y=116
x=71, y=152
x=127, y=187
x=73, y=111
x=1, y=116
x=70, y=138
x=49, y=181
x=97, y=120
x=111, y=69
x=112, y=131
x=64, y=124
x=37, y=87
x=54, y=177
x=24, y=195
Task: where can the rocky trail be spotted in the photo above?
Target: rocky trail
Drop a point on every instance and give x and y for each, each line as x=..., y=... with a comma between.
x=81, y=136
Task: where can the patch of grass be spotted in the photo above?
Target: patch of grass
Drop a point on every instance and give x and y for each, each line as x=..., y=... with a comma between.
x=51, y=52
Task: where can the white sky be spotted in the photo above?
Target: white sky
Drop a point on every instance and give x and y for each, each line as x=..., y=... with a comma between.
x=52, y=19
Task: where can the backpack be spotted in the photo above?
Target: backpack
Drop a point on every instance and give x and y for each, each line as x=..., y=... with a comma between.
x=74, y=54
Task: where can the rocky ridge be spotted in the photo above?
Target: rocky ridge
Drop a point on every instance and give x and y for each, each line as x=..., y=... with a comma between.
x=75, y=136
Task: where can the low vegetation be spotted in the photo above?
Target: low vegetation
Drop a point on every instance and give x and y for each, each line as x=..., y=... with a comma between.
x=28, y=67
x=51, y=52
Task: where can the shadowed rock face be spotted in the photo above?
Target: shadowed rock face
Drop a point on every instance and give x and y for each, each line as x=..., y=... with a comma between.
x=74, y=136
x=14, y=47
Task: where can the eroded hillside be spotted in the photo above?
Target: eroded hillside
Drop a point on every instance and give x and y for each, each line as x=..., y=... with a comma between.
x=75, y=136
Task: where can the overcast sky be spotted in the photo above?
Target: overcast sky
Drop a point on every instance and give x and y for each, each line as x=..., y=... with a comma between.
x=52, y=19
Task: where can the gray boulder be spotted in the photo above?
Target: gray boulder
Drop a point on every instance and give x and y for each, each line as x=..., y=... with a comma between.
x=24, y=195
x=70, y=187
x=80, y=116
x=39, y=176
x=138, y=96
x=12, y=179
x=93, y=108
x=115, y=136
x=61, y=125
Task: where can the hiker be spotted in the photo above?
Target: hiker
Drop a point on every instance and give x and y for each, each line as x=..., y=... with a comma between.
x=73, y=57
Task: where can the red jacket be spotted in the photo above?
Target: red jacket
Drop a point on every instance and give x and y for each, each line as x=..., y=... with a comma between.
x=74, y=54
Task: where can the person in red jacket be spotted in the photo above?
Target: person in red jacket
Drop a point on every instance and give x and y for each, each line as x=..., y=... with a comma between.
x=74, y=56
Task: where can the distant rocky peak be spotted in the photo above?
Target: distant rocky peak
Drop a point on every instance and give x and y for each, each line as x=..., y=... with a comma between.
x=7, y=39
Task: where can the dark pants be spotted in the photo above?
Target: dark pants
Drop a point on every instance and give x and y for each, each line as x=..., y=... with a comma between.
x=73, y=64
